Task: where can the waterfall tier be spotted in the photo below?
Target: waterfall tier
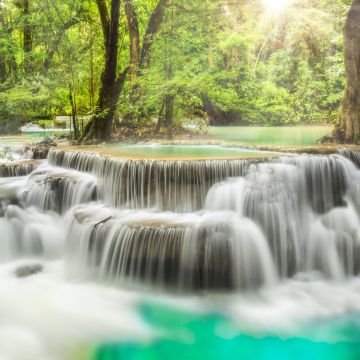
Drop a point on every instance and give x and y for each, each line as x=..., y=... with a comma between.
x=167, y=185
x=188, y=225
x=57, y=189
x=183, y=252
x=28, y=233
x=17, y=169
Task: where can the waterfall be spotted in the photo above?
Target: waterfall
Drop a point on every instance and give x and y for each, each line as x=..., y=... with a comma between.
x=26, y=232
x=272, y=196
x=11, y=188
x=350, y=154
x=183, y=252
x=16, y=161
x=168, y=185
x=325, y=180
x=59, y=189
x=187, y=225
x=17, y=169
x=304, y=207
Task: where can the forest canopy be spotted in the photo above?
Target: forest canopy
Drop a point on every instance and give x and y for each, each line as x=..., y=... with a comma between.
x=172, y=62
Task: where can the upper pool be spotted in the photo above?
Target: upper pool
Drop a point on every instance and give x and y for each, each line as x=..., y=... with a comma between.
x=287, y=136
x=173, y=152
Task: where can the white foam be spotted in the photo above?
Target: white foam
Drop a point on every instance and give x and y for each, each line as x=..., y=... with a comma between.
x=44, y=317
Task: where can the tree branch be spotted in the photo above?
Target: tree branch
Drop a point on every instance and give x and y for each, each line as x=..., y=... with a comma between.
x=57, y=41
x=105, y=19
x=134, y=35
x=152, y=29
x=121, y=80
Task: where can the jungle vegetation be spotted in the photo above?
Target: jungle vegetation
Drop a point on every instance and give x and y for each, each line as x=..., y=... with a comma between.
x=128, y=66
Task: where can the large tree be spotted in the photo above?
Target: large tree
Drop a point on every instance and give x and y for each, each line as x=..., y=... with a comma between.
x=100, y=127
x=348, y=126
x=140, y=55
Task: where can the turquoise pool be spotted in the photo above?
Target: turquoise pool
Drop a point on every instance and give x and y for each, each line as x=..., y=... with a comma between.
x=297, y=135
x=182, y=151
x=212, y=337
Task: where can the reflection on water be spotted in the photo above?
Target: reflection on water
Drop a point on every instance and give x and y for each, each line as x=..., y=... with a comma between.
x=271, y=135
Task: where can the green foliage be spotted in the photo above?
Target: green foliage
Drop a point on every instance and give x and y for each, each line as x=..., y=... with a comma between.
x=59, y=124
x=224, y=61
x=25, y=102
x=249, y=68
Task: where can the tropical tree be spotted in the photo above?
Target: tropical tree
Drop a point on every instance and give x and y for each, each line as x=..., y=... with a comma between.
x=100, y=127
x=348, y=126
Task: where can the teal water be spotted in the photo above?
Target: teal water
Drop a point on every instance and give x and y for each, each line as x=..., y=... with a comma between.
x=213, y=337
x=280, y=136
x=41, y=134
x=61, y=314
x=29, y=137
x=181, y=151
x=270, y=135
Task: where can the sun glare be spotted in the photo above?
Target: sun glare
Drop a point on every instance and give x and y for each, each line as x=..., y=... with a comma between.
x=276, y=6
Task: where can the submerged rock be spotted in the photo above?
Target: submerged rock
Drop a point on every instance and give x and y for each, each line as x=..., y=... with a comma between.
x=28, y=270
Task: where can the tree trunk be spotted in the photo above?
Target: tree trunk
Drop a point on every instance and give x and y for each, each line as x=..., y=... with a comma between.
x=91, y=80
x=153, y=28
x=134, y=35
x=160, y=121
x=140, y=56
x=3, y=72
x=348, y=126
x=100, y=126
x=73, y=113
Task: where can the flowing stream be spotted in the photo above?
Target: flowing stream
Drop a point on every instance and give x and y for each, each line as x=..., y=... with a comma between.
x=91, y=247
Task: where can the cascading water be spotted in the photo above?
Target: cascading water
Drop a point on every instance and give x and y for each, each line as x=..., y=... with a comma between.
x=293, y=202
x=56, y=189
x=15, y=170
x=235, y=224
x=185, y=226
x=15, y=161
x=187, y=251
x=29, y=233
x=167, y=185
